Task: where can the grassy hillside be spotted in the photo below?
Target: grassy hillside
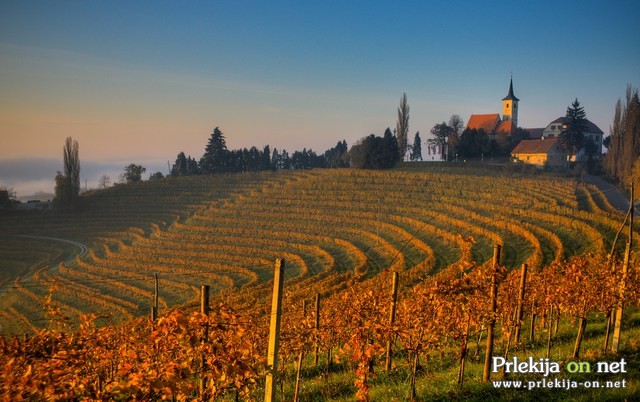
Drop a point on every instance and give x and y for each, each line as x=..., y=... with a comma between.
x=330, y=225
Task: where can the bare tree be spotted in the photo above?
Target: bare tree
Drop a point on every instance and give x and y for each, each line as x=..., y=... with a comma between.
x=68, y=183
x=72, y=165
x=104, y=181
x=456, y=123
x=402, y=125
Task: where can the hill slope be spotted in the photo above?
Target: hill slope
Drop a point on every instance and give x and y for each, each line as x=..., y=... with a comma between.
x=331, y=226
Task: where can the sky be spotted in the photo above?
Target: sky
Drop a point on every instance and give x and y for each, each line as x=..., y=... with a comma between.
x=141, y=81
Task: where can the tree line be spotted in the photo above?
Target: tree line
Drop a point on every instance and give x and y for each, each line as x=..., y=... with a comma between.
x=622, y=160
x=217, y=158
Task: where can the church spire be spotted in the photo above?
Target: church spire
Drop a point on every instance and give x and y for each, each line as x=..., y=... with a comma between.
x=510, y=107
x=510, y=96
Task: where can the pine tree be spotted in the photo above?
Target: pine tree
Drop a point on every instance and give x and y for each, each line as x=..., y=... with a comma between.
x=180, y=166
x=572, y=135
x=215, y=158
x=416, y=148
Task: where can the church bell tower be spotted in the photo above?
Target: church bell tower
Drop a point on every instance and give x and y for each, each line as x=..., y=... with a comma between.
x=510, y=106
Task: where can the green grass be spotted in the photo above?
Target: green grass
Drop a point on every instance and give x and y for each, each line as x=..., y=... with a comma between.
x=436, y=379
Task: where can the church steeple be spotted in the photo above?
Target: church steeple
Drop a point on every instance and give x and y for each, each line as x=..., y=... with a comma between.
x=510, y=106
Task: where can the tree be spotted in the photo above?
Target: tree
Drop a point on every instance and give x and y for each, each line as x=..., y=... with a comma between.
x=67, y=188
x=624, y=138
x=72, y=164
x=572, y=135
x=337, y=157
x=474, y=143
x=416, y=148
x=456, y=124
x=375, y=152
x=402, y=126
x=389, y=146
x=265, y=159
x=440, y=134
x=179, y=168
x=7, y=196
x=456, y=127
x=133, y=173
x=156, y=176
x=215, y=158
x=104, y=181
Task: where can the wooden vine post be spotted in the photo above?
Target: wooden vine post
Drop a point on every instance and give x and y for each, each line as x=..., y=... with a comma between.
x=617, y=326
x=274, y=331
x=154, y=308
x=519, y=311
x=486, y=374
x=392, y=317
x=316, y=349
x=204, y=309
x=296, y=395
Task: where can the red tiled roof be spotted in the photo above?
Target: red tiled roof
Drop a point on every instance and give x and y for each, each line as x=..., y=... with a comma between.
x=505, y=126
x=541, y=146
x=487, y=122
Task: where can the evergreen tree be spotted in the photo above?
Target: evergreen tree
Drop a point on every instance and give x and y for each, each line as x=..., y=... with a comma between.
x=388, y=148
x=276, y=163
x=337, y=157
x=192, y=166
x=285, y=160
x=375, y=152
x=265, y=160
x=180, y=167
x=253, y=159
x=416, y=148
x=572, y=135
x=215, y=158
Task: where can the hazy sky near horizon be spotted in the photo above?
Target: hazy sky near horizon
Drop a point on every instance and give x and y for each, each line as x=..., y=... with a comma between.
x=140, y=81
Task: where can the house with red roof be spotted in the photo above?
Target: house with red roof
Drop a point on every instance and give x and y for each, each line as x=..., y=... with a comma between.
x=554, y=129
x=543, y=153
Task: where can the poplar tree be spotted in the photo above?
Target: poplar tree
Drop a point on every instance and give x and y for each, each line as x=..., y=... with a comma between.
x=67, y=189
x=402, y=126
x=624, y=140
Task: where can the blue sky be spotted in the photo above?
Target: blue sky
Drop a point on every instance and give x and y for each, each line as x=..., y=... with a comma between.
x=140, y=81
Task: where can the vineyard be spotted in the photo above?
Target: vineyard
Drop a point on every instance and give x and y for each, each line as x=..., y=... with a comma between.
x=343, y=235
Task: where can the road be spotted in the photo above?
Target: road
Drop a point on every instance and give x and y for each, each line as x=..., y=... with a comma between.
x=616, y=197
x=83, y=251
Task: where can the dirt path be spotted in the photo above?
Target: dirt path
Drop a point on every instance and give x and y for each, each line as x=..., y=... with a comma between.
x=83, y=249
x=616, y=198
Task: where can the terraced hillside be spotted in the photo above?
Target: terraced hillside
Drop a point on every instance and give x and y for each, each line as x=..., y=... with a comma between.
x=330, y=225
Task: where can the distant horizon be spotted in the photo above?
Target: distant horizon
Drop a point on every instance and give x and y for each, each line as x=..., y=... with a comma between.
x=140, y=82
